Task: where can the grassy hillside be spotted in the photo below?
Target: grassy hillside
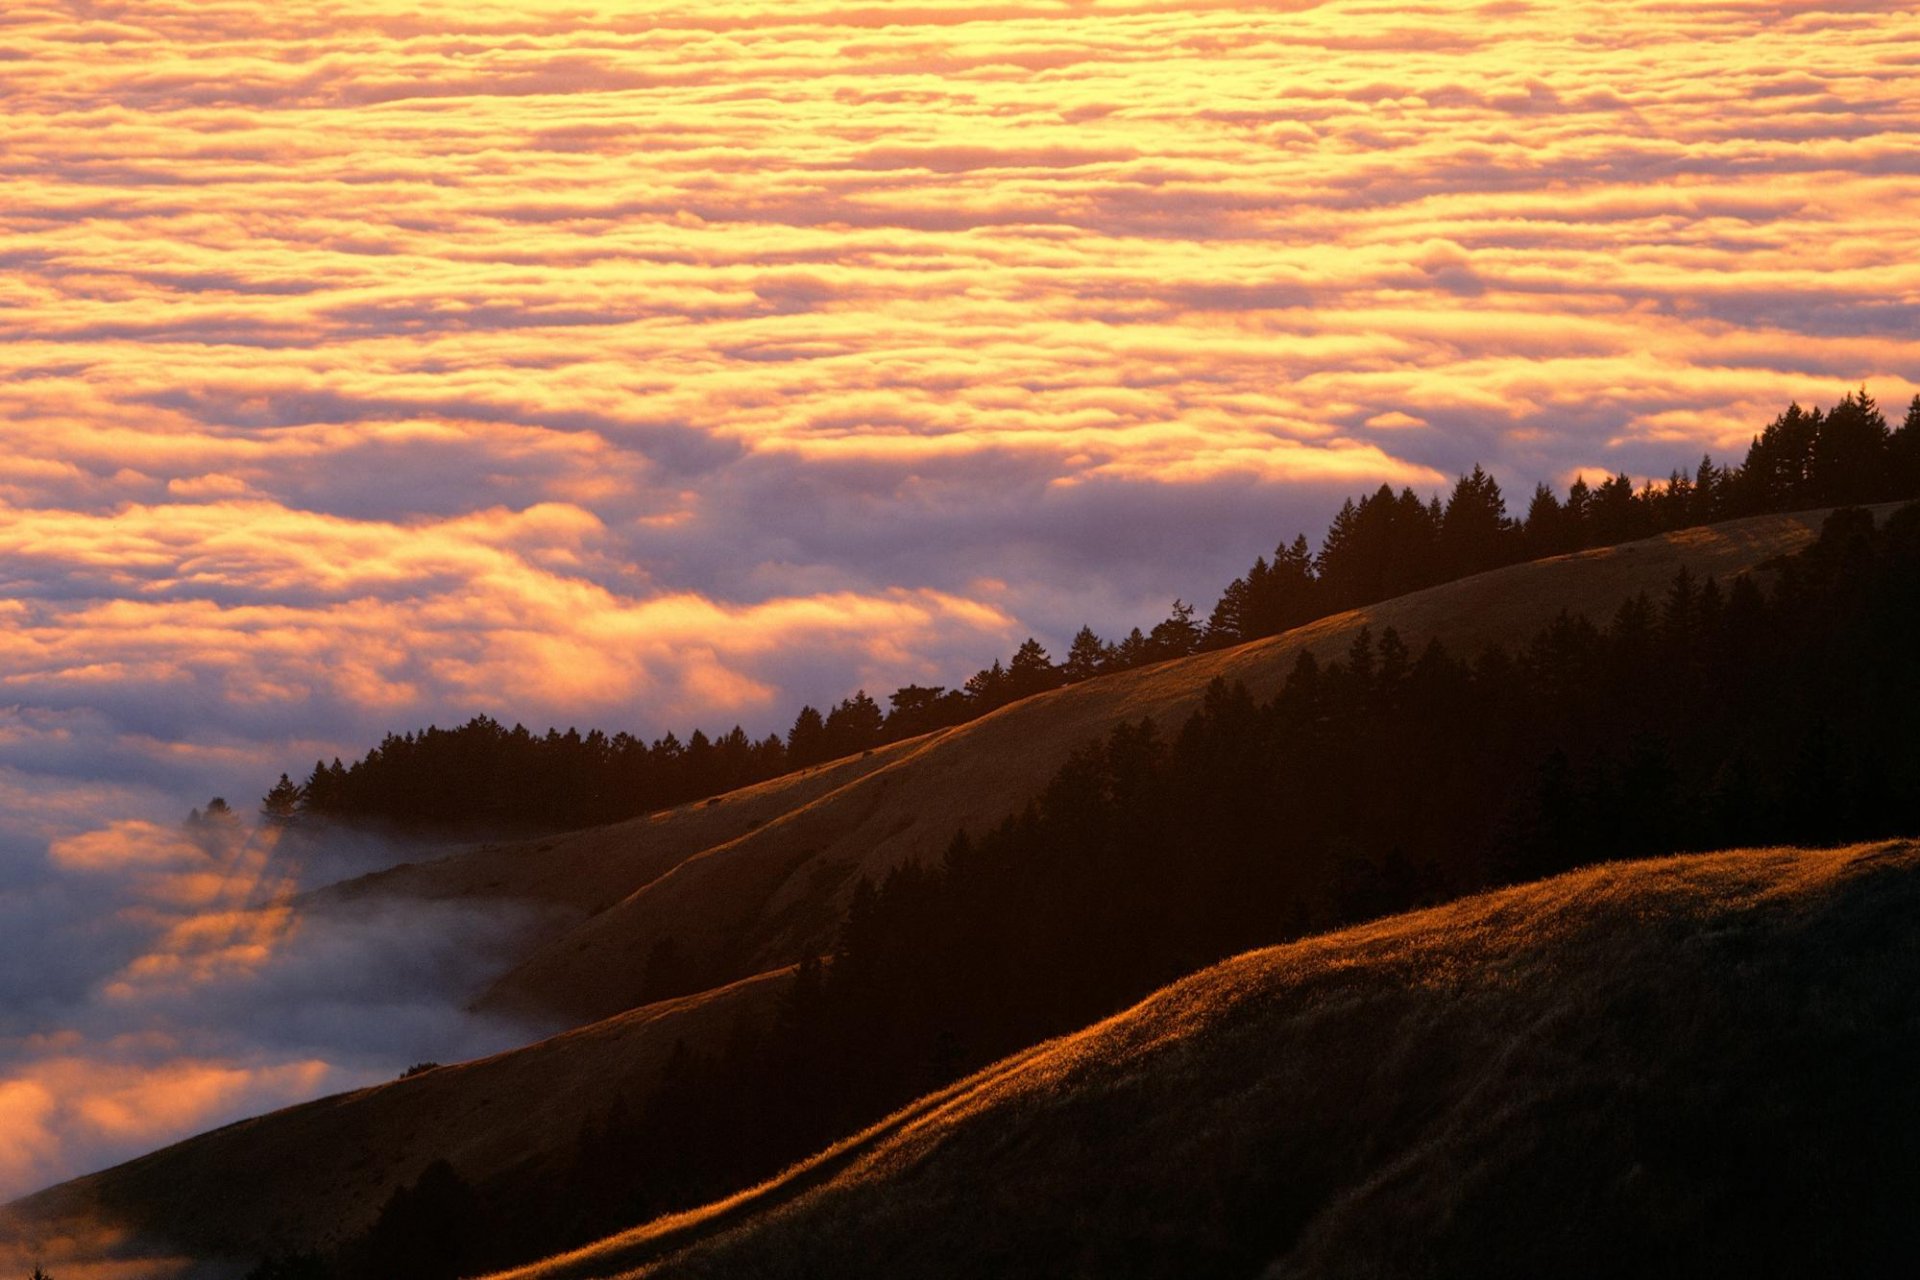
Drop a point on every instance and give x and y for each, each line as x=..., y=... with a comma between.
x=309, y=1176
x=773, y=894
x=1697, y=1065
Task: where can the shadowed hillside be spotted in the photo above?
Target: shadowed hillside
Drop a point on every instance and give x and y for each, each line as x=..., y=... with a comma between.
x=1695, y=1065
x=313, y=1175
x=774, y=894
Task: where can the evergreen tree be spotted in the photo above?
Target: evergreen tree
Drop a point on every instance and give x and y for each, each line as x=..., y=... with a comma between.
x=807, y=740
x=1903, y=454
x=918, y=709
x=987, y=689
x=1776, y=475
x=1086, y=658
x=1284, y=595
x=1031, y=671
x=854, y=725
x=1227, y=624
x=1848, y=462
x=281, y=803
x=1132, y=651
x=1175, y=637
x=1612, y=514
x=1710, y=492
x=1474, y=531
x=427, y=1231
x=1547, y=530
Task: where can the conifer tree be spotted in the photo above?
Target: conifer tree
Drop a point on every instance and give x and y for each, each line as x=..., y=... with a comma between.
x=282, y=802
x=807, y=740
x=1031, y=671
x=1086, y=657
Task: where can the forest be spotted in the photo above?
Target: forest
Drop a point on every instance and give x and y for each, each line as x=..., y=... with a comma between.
x=1400, y=775
x=483, y=775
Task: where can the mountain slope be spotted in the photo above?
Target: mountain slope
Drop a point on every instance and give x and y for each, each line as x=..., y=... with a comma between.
x=312, y=1175
x=775, y=893
x=1694, y=1065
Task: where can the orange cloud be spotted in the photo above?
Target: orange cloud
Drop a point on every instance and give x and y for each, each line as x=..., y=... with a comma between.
x=370, y=363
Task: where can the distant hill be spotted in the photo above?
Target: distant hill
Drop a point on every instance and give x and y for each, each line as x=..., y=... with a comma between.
x=775, y=892
x=1691, y=1066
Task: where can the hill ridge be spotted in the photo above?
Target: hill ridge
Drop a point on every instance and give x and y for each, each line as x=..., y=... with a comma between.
x=1730, y=905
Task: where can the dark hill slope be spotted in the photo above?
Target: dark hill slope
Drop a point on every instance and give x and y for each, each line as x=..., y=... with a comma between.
x=313, y=1175
x=776, y=892
x=1698, y=1065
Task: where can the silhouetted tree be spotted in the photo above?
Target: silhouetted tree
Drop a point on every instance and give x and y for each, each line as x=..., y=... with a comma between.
x=1779, y=465
x=987, y=689
x=282, y=802
x=1848, y=462
x=918, y=709
x=807, y=740
x=1086, y=658
x=854, y=725
x=427, y=1231
x=1176, y=636
x=1903, y=453
x=1547, y=530
x=1031, y=671
x=1132, y=651
x=1475, y=534
x=1227, y=624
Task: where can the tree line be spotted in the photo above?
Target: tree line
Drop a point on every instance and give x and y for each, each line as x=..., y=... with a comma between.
x=485, y=775
x=1716, y=715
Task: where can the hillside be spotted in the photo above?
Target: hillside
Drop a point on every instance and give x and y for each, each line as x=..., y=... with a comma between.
x=310, y=1175
x=774, y=893
x=1686, y=1066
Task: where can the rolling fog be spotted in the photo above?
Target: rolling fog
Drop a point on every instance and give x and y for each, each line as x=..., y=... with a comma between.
x=157, y=980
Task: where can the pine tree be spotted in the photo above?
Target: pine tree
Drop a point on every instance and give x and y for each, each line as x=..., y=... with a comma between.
x=1776, y=474
x=1546, y=527
x=807, y=740
x=1031, y=671
x=987, y=689
x=1474, y=530
x=1086, y=657
x=1903, y=454
x=854, y=725
x=1131, y=652
x=1177, y=636
x=281, y=803
x=1848, y=461
x=1227, y=624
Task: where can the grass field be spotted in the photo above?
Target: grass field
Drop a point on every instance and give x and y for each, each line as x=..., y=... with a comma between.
x=1691, y=1066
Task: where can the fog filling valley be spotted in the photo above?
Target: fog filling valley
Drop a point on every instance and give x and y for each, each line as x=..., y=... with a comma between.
x=158, y=979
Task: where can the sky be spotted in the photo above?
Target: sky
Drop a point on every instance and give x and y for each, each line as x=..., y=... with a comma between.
x=365, y=365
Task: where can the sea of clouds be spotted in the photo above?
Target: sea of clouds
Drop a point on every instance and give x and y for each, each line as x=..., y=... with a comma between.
x=365, y=364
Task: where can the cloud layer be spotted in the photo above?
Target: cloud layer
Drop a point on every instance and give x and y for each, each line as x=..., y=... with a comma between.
x=364, y=364
x=160, y=980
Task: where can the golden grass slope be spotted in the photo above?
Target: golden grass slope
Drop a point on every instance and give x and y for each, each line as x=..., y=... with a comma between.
x=772, y=894
x=312, y=1175
x=1699, y=1065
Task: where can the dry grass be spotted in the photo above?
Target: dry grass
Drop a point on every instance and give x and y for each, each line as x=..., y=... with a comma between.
x=1697, y=1064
